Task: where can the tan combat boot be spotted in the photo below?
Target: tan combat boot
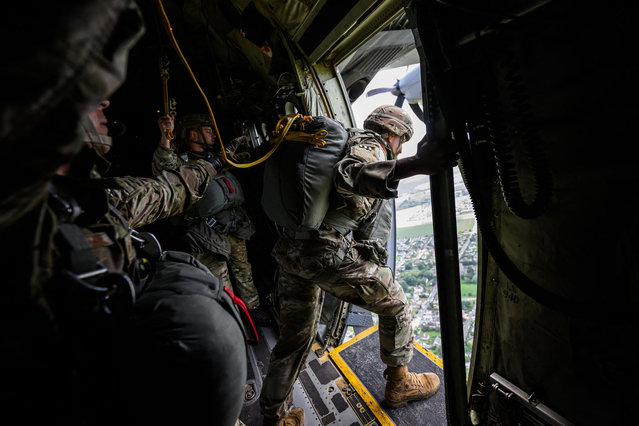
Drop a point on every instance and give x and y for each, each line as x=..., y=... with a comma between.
x=402, y=386
x=295, y=417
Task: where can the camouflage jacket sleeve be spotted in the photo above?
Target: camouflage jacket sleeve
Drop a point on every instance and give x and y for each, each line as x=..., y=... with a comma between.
x=145, y=200
x=364, y=171
x=164, y=159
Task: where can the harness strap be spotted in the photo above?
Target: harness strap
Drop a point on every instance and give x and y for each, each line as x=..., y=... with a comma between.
x=340, y=254
x=347, y=238
x=81, y=257
x=96, y=288
x=346, y=245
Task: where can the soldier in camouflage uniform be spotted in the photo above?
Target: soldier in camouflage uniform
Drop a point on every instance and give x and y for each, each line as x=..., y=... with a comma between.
x=215, y=231
x=330, y=259
x=88, y=306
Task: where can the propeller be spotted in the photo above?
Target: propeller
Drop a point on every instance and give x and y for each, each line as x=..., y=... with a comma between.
x=407, y=88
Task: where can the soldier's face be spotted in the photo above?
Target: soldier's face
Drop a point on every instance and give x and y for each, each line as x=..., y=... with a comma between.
x=204, y=136
x=209, y=136
x=395, y=143
x=98, y=118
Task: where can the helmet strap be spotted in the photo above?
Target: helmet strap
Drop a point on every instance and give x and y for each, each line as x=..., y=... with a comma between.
x=207, y=147
x=386, y=147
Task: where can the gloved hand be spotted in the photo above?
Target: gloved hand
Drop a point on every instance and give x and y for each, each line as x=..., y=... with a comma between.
x=166, y=123
x=239, y=157
x=231, y=147
x=432, y=157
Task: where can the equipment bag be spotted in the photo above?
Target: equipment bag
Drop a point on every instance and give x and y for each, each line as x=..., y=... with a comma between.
x=180, y=281
x=223, y=192
x=298, y=177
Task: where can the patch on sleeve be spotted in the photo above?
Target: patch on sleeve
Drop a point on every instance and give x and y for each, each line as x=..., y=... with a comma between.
x=367, y=152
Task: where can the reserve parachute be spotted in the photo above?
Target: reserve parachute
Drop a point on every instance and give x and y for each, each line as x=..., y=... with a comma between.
x=298, y=177
x=223, y=192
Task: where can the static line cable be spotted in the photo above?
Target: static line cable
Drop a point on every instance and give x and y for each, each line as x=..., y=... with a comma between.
x=169, y=31
x=164, y=75
x=281, y=133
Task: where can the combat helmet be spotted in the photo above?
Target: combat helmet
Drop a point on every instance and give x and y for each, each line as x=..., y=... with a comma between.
x=390, y=118
x=191, y=121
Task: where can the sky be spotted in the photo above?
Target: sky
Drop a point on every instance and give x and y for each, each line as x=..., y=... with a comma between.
x=364, y=106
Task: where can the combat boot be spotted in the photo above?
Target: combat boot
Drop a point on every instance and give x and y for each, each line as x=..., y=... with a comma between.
x=402, y=386
x=295, y=417
x=260, y=317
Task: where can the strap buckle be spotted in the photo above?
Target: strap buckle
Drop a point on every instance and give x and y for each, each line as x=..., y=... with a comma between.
x=102, y=291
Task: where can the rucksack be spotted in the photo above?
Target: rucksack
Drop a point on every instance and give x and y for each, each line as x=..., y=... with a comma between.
x=298, y=177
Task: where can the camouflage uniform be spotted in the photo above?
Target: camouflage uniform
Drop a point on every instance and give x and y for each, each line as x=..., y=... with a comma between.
x=106, y=356
x=61, y=362
x=328, y=259
x=220, y=246
x=84, y=52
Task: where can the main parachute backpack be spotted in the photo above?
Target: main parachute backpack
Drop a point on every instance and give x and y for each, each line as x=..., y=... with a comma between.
x=298, y=177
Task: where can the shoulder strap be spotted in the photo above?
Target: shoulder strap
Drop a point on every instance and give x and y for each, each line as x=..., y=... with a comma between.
x=91, y=286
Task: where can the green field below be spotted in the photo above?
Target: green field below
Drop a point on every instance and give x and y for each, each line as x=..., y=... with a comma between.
x=468, y=290
x=427, y=229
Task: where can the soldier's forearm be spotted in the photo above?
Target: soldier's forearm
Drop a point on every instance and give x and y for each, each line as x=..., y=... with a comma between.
x=406, y=167
x=145, y=200
x=373, y=180
x=164, y=159
x=164, y=142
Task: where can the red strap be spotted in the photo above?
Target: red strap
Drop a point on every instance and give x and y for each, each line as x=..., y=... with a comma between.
x=228, y=185
x=239, y=302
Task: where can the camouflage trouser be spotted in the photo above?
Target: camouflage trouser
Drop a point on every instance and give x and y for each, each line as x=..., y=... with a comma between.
x=242, y=283
x=217, y=265
x=309, y=266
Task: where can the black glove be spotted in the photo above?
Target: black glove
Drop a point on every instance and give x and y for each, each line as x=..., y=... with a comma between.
x=431, y=158
x=232, y=146
x=240, y=157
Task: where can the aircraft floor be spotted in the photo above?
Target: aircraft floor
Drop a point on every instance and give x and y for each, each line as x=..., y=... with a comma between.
x=344, y=387
x=358, y=360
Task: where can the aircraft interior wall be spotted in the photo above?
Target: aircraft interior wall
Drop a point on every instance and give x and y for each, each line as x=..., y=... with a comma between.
x=542, y=103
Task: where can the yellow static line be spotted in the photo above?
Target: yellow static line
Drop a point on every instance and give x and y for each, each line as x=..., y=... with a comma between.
x=368, y=399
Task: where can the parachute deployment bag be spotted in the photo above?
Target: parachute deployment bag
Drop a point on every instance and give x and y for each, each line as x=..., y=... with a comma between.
x=298, y=177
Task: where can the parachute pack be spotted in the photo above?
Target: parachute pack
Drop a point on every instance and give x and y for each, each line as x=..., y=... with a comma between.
x=223, y=192
x=298, y=177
